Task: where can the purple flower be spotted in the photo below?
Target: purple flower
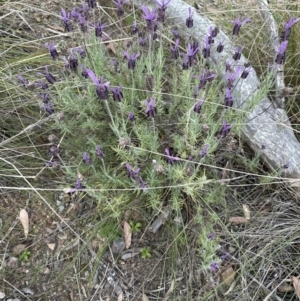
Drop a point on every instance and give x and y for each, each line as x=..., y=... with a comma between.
x=286, y=32
x=191, y=53
x=54, y=150
x=198, y=105
x=225, y=129
x=162, y=9
x=53, y=163
x=42, y=84
x=85, y=10
x=73, y=61
x=150, y=17
x=150, y=107
x=220, y=47
x=135, y=29
x=117, y=93
x=238, y=53
x=175, y=33
x=74, y=13
x=204, y=150
x=206, y=48
x=101, y=86
x=238, y=24
x=45, y=97
x=211, y=35
x=224, y=256
x=281, y=53
x=189, y=21
x=23, y=80
x=171, y=159
x=175, y=50
x=91, y=3
x=120, y=4
x=228, y=101
x=131, y=59
x=214, y=267
x=77, y=187
x=99, y=152
x=132, y=174
x=142, y=41
x=98, y=29
x=286, y=165
x=84, y=72
x=185, y=62
x=48, y=107
x=206, y=77
x=52, y=49
x=231, y=76
x=49, y=77
x=86, y=158
x=81, y=51
x=131, y=116
x=143, y=184
x=82, y=23
x=66, y=19
x=211, y=236
x=245, y=73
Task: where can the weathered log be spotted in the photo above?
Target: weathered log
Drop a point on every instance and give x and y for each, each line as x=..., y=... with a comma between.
x=265, y=124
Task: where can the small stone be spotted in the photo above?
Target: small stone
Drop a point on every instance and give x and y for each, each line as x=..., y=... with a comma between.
x=2, y=295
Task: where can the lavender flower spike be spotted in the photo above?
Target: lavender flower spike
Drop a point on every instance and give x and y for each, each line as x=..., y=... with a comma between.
x=23, y=80
x=225, y=129
x=99, y=152
x=120, y=4
x=281, y=53
x=52, y=49
x=228, y=102
x=131, y=116
x=189, y=21
x=206, y=49
x=132, y=173
x=98, y=29
x=204, y=150
x=101, y=87
x=175, y=50
x=171, y=159
x=198, y=105
x=238, y=24
x=91, y=3
x=117, y=93
x=286, y=32
x=86, y=158
x=151, y=109
x=131, y=59
x=150, y=17
x=191, y=53
x=162, y=9
x=66, y=19
x=238, y=53
x=49, y=77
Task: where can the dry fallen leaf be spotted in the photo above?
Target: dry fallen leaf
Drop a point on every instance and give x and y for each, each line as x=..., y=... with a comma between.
x=246, y=210
x=238, y=220
x=51, y=246
x=296, y=284
x=285, y=287
x=120, y=297
x=145, y=298
x=25, y=221
x=127, y=234
x=228, y=275
x=18, y=249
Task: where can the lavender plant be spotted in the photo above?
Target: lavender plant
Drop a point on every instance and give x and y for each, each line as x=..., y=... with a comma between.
x=141, y=125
